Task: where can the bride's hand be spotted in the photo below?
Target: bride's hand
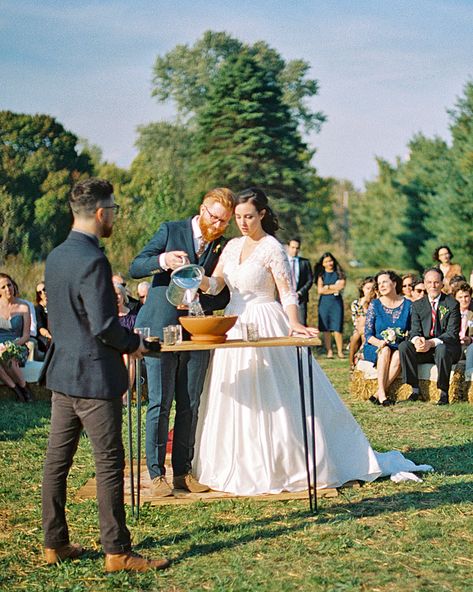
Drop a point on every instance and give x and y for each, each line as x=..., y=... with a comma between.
x=300, y=329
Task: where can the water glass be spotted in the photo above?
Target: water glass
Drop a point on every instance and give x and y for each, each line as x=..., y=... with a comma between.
x=252, y=332
x=144, y=331
x=169, y=335
x=178, y=330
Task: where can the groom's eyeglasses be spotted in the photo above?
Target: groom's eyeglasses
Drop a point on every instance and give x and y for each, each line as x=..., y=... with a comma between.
x=215, y=219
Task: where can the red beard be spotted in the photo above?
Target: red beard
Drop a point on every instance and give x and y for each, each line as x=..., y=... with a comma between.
x=209, y=232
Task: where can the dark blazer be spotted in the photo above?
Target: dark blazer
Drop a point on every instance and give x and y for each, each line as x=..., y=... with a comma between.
x=305, y=281
x=157, y=312
x=85, y=358
x=447, y=325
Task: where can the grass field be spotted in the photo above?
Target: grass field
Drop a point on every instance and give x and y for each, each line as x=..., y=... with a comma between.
x=380, y=537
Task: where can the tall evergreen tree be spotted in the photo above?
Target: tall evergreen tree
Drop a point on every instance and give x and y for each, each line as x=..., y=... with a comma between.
x=450, y=215
x=245, y=135
x=377, y=221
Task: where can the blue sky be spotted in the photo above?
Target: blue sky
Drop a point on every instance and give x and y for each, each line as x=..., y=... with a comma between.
x=387, y=68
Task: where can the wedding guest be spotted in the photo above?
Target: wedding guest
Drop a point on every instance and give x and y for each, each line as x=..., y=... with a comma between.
x=443, y=256
x=359, y=306
x=434, y=336
x=143, y=289
x=301, y=276
x=178, y=376
x=462, y=293
x=330, y=280
x=14, y=328
x=44, y=336
x=418, y=289
x=127, y=319
x=87, y=376
x=407, y=284
x=387, y=323
x=133, y=303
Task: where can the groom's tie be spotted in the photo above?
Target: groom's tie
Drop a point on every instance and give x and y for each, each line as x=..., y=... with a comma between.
x=202, y=247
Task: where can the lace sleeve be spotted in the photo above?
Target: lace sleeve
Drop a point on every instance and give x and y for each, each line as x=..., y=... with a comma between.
x=370, y=321
x=281, y=270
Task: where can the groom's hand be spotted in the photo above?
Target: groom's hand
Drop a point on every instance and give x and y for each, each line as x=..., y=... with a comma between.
x=175, y=259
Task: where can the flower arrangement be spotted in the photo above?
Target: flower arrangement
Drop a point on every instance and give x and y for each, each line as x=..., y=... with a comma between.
x=392, y=335
x=11, y=351
x=443, y=310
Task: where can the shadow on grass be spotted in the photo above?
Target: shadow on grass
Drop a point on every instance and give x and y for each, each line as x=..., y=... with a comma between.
x=17, y=418
x=450, y=460
x=233, y=537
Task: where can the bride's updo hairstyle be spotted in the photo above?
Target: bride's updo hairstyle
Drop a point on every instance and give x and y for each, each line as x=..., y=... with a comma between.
x=258, y=198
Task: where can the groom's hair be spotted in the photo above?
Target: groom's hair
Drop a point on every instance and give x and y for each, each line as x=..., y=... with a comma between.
x=222, y=195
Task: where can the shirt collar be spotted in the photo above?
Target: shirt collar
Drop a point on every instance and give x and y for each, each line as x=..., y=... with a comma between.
x=196, y=231
x=435, y=300
x=89, y=234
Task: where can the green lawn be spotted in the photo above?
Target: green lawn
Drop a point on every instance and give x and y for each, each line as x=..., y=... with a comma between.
x=382, y=536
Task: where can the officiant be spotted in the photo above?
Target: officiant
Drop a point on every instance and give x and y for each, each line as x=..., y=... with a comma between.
x=180, y=375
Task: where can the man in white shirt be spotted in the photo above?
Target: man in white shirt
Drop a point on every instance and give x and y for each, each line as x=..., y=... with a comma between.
x=434, y=336
x=301, y=275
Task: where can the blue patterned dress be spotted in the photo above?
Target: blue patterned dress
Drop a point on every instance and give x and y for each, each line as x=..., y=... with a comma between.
x=379, y=318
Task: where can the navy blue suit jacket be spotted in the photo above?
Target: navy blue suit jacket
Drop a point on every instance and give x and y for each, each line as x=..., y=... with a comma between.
x=85, y=358
x=158, y=312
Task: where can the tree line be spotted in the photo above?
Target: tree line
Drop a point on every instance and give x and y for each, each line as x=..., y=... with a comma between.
x=241, y=118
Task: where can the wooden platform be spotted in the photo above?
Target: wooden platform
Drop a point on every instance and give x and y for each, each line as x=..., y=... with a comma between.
x=88, y=491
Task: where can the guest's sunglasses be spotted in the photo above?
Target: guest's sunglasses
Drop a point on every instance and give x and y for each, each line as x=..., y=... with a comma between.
x=419, y=290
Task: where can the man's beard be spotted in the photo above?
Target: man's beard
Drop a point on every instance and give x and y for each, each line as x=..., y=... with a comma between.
x=209, y=232
x=107, y=230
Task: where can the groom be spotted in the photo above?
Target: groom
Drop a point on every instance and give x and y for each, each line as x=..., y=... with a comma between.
x=178, y=376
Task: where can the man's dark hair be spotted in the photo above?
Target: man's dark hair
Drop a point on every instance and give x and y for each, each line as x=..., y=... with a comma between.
x=294, y=240
x=86, y=195
x=436, y=269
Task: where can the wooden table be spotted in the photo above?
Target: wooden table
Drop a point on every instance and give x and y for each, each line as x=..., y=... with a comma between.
x=300, y=343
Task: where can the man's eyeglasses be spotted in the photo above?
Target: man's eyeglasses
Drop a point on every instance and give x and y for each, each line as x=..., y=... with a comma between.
x=115, y=208
x=419, y=290
x=215, y=219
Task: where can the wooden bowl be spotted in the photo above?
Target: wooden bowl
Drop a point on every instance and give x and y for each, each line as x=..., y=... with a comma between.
x=208, y=329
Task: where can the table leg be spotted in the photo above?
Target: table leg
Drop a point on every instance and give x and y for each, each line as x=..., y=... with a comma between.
x=304, y=423
x=130, y=440
x=312, y=423
x=138, y=436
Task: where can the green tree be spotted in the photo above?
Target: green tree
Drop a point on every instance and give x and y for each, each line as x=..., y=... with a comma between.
x=377, y=221
x=419, y=178
x=450, y=215
x=38, y=159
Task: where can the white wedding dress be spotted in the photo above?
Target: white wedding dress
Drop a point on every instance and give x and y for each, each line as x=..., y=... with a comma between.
x=249, y=437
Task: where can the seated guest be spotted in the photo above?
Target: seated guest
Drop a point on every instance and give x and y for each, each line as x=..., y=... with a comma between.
x=15, y=330
x=462, y=294
x=358, y=308
x=133, y=303
x=418, y=289
x=387, y=323
x=434, y=336
x=127, y=319
x=143, y=289
x=301, y=277
x=407, y=283
x=44, y=336
x=443, y=256
x=32, y=344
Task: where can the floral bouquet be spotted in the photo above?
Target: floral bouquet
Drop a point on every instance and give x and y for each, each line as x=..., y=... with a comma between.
x=392, y=335
x=11, y=351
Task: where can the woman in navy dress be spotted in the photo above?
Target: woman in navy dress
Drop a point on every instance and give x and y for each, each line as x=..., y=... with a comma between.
x=388, y=320
x=330, y=282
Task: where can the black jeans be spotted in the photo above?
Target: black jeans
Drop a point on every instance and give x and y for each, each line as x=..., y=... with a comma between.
x=179, y=377
x=102, y=420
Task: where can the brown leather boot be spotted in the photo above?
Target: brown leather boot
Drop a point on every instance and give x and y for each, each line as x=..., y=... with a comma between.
x=132, y=562
x=161, y=487
x=68, y=551
x=189, y=483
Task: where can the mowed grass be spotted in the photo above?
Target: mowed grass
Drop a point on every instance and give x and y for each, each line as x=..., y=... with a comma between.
x=382, y=536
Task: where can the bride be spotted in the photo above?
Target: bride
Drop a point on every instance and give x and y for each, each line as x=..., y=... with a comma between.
x=249, y=437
